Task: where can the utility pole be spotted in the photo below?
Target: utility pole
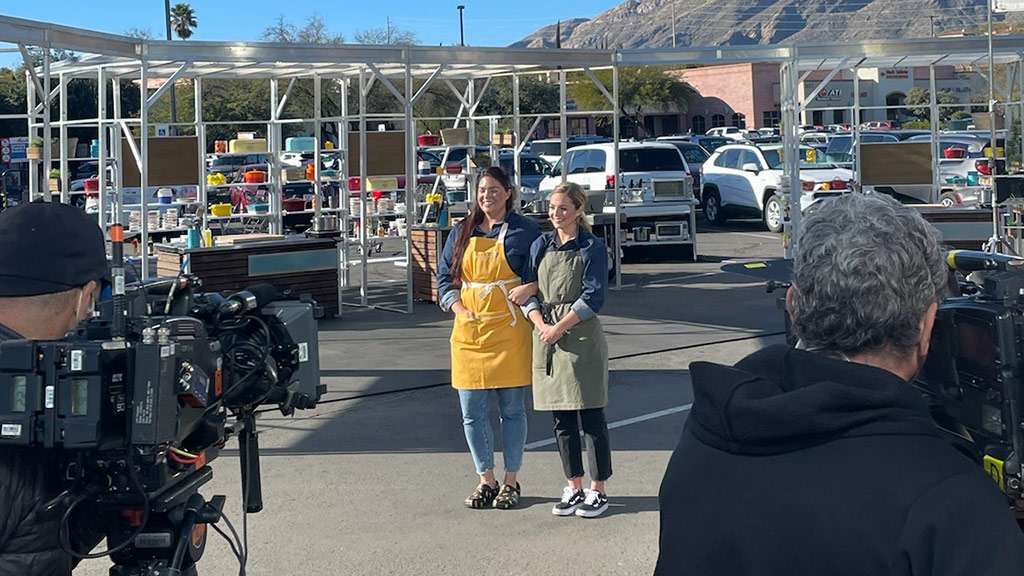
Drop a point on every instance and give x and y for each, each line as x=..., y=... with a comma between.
x=673, y=24
x=389, y=29
x=931, y=19
x=462, y=36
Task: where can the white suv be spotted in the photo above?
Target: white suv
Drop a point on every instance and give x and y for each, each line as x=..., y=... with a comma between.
x=593, y=166
x=744, y=180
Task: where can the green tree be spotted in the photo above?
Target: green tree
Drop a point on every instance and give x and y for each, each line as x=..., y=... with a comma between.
x=183, y=20
x=536, y=96
x=918, y=103
x=639, y=86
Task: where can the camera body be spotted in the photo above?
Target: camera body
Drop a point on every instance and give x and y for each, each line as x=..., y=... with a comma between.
x=973, y=375
x=137, y=409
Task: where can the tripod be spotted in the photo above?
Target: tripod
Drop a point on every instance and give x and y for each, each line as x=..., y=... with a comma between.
x=174, y=536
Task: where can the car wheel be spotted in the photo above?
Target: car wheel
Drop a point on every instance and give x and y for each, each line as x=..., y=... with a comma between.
x=772, y=214
x=713, y=207
x=948, y=199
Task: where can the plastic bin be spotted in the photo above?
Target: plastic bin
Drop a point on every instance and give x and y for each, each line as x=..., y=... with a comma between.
x=300, y=144
x=429, y=139
x=255, y=145
x=255, y=177
x=91, y=184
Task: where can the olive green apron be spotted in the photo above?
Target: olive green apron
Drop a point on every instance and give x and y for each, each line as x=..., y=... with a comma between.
x=573, y=374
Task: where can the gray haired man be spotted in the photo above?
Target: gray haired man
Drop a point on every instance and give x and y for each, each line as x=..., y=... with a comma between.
x=823, y=459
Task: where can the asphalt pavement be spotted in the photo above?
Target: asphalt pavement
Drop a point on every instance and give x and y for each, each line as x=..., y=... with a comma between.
x=372, y=481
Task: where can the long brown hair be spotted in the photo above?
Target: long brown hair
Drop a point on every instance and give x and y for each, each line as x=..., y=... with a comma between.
x=475, y=218
x=578, y=198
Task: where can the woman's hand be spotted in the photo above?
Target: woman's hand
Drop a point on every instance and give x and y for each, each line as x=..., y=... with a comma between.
x=460, y=310
x=550, y=334
x=520, y=294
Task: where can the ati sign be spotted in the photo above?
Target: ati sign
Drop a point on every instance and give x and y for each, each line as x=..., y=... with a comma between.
x=830, y=94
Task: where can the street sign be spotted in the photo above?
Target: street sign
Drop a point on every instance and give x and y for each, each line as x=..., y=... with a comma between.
x=1008, y=5
x=12, y=149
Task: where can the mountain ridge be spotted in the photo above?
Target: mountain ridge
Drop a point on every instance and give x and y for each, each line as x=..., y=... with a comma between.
x=648, y=23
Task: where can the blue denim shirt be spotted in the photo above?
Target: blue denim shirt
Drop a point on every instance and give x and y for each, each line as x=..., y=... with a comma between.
x=595, y=270
x=520, y=236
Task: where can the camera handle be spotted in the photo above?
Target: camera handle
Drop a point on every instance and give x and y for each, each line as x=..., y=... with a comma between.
x=249, y=457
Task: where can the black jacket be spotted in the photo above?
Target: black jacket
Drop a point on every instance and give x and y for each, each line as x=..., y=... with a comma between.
x=793, y=463
x=29, y=479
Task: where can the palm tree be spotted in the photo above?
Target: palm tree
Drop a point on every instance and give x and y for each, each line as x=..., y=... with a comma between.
x=183, y=20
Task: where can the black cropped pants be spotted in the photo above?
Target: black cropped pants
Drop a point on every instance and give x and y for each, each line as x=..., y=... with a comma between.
x=567, y=436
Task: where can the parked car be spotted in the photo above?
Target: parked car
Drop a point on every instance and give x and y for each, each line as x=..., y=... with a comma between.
x=533, y=170
x=228, y=164
x=709, y=143
x=454, y=177
x=728, y=132
x=743, y=180
x=695, y=156
x=593, y=166
x=881, y=125
x=550, y=149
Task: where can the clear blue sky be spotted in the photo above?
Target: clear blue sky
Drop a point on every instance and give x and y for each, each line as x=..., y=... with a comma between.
x=490, y=23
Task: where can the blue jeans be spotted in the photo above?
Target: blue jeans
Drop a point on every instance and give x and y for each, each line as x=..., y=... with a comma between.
x=476, y=420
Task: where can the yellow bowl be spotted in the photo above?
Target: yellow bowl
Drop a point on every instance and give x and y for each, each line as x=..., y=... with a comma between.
x=220, y=209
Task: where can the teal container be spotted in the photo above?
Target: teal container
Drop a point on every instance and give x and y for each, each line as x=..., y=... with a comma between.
x=94, y=149
x=456, y=195
x=972, y=178
x=300, y=144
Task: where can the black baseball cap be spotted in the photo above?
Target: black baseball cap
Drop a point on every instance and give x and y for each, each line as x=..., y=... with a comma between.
x=48, y=247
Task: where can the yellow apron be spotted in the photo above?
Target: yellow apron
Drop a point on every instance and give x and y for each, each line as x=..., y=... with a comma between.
x=494, y=349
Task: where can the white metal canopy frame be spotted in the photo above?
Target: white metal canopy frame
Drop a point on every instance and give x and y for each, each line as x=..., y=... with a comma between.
x=111, y=57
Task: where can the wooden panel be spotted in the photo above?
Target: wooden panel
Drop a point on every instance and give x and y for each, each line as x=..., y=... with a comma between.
x=385, y=153
x=896, y=163
x=173, y=161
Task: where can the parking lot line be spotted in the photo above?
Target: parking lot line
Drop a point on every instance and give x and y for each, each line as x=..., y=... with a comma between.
x=621, y=423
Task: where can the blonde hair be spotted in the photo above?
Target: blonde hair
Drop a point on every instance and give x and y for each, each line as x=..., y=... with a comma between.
x=578, y=198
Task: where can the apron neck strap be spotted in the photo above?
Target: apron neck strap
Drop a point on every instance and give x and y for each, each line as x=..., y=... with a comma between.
x=501, y=235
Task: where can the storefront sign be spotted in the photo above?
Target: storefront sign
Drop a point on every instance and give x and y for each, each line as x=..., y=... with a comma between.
x=896, y=73
x=830, y=94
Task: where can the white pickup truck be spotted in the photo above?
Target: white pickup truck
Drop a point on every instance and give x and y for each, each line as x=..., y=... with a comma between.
x=655, y=182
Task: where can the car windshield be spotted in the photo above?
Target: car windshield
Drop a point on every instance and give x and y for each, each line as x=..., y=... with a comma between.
x=692, y=153
x=546, y=148
x=809, y=159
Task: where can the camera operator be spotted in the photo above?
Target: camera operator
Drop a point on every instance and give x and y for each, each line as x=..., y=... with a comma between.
x=823, y=459
x=52, y=261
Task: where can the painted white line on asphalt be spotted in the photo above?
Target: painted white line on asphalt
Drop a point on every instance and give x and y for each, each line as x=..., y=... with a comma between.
x=621, y=423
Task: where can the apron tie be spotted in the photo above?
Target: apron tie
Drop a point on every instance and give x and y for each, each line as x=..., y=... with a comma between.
x=487, y=287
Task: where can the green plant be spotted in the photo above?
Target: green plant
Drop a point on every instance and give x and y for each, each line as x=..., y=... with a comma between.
x=36, y=143
x=55, y=173
x=917, y=125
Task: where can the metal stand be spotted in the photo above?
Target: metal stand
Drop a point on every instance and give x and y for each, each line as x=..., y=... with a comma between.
x=174, y=537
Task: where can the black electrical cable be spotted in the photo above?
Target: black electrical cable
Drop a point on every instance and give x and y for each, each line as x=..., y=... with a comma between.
x=610, y=359
x=62, y=529
x=231, y=543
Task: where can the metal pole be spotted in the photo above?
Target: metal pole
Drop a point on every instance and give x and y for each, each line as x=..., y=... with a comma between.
x=462, y=36
x=991, y=98
x=174, y=104
x=933, y=111
x=563, y=127
x=144, y=168
x=101, y=96
x=618, y=184
x=64, y=181
x=411, y=180
x=673, y=24
x=364, y=247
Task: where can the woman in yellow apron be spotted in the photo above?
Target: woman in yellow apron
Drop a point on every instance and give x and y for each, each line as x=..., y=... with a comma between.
x=570, y=355
x=479, y=279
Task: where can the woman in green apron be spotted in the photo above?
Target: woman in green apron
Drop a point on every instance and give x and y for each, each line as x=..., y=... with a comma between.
x=570, y=355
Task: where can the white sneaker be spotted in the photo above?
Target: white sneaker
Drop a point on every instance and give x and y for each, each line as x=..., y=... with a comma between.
x=570, y=502
x=593, y=506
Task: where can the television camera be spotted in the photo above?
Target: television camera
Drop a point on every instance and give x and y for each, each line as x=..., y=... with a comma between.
x=974, y=373
x=138, y=401
x=973, y=377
